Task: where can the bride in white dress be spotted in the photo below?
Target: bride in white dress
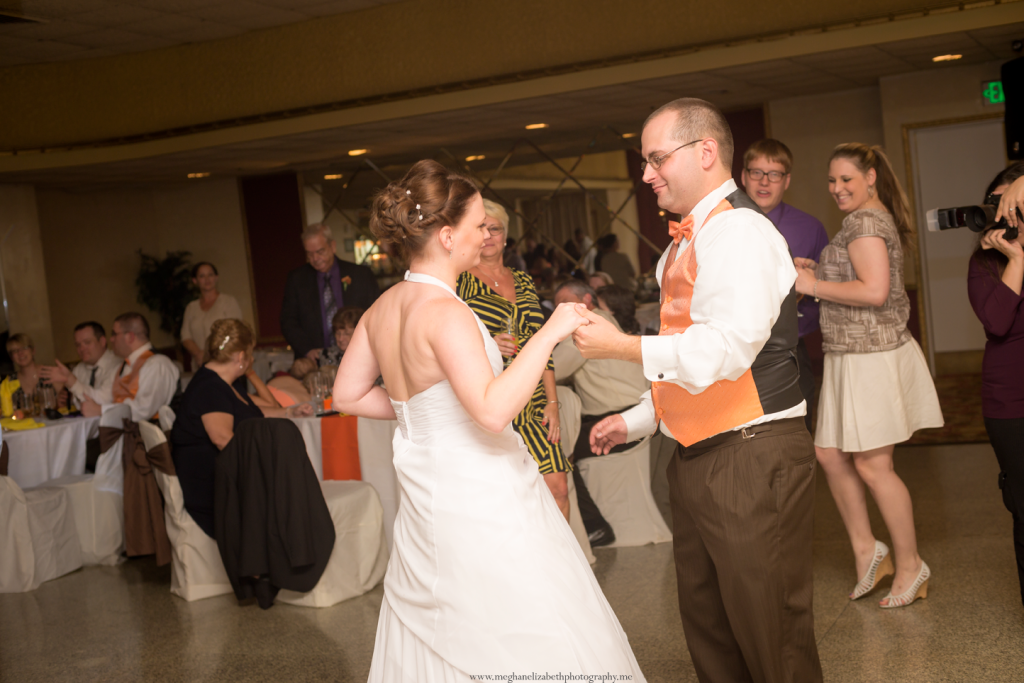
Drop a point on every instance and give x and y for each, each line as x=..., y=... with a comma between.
x=485, y=577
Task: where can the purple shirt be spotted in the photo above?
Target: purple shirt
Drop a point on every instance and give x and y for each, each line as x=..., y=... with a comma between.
x=1001, y=312
x=806, y=237
x=334, y=276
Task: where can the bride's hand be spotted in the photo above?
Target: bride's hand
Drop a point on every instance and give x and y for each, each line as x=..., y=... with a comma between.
x=565, y=320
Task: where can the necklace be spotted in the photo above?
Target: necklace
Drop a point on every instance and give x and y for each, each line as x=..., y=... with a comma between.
x=480, y=267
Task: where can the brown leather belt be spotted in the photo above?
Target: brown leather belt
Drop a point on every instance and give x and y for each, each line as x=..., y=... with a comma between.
x=788, y=425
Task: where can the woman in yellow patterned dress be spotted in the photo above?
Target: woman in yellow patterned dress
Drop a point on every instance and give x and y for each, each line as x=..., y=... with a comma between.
x=506, y=301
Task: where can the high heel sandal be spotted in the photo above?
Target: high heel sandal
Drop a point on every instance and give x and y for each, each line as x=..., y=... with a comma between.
x=918, y=589
x=881, y=566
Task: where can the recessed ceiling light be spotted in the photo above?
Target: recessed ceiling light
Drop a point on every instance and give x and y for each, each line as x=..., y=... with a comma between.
x=357, y=152
x=535, y=126
x=475, y=157
x=946, y=58
x=198, y=175
x=333, y=176
x=629, y=135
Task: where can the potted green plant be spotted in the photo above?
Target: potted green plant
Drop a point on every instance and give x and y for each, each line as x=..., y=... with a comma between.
x=165, y=286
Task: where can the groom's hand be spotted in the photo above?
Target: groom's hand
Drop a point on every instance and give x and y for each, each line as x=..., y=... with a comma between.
x=607, y=434
x=601, y=339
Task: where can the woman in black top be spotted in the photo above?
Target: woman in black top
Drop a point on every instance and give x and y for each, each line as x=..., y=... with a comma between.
x=210, y=408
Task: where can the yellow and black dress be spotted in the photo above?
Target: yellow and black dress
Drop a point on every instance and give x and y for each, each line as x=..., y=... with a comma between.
x=495, y=310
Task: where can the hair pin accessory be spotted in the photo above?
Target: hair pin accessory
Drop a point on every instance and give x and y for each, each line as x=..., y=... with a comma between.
x=408, y=192
x=224, y=343
x=418, y=208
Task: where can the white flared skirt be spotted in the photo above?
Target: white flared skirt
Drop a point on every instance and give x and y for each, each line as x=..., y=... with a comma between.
x=871, y=400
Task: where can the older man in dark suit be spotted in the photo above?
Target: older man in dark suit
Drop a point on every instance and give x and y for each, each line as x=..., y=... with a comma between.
x=316, y=291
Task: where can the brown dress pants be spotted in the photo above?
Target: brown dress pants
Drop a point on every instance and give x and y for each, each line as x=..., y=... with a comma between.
x=743, y=525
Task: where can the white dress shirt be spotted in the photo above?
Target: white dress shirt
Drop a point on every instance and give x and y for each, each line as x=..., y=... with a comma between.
x=106, y=370
x=603, y=385
x=158, y=380
x=744, y=271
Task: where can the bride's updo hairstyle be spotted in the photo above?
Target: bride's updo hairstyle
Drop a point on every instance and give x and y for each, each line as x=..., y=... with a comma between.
x=406, y=213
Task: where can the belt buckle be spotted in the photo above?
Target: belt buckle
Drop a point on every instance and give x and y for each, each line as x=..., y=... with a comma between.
x=747, y=435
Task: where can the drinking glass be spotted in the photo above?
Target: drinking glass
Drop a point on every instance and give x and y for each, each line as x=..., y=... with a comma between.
x=510, y=328
x=318, y=392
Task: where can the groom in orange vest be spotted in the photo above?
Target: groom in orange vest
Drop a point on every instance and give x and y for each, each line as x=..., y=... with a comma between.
x=725, y=385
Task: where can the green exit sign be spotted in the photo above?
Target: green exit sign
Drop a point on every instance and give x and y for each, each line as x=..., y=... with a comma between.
x=992, y=92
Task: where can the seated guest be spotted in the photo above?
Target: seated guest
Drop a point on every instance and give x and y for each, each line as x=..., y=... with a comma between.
x=605, y=387
x=343, y=325
x=316, y=291
x=27, y=373
x=599, y=280
x=512, y=258
x=201, y=313
x=289, y=389
x=610, y=260
x=91, y=382
x=146, y=381
x=766, y=174
x=621, y=303
x=210, y=408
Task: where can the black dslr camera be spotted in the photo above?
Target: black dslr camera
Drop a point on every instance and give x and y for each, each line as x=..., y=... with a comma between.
x=975, y=218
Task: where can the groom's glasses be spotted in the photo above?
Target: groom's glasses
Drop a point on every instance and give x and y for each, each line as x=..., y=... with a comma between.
x=656, y=162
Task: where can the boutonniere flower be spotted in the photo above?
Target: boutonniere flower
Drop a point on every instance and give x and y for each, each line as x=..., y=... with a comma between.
x=345, y=282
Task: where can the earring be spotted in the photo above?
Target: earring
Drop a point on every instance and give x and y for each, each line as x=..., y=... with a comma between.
x=451, y=251
x=871, y=190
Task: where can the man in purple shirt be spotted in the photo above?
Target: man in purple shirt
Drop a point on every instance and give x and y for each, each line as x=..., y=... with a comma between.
x=766, y=174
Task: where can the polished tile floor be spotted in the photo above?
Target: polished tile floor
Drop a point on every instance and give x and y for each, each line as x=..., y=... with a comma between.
x=122, y=624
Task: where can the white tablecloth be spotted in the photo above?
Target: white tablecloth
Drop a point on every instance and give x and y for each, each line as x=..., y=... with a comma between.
x=54, y=451
x=375, y=460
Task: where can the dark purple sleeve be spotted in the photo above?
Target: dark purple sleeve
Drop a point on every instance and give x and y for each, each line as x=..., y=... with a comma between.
x=821, y=240
x=993, y=302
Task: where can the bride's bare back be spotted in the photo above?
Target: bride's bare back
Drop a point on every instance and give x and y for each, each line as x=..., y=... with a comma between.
x=403, y=326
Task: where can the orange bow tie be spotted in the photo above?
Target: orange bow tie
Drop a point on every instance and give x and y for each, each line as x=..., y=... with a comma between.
x=682, y=229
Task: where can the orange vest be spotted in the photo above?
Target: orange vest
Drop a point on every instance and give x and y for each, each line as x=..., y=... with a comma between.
x=770, y=385
x=128, y=386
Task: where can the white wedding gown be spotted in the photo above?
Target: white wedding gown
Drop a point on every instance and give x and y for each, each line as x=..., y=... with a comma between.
x=485, y=578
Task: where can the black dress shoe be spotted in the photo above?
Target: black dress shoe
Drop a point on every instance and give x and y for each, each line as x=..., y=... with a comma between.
x=600, y=537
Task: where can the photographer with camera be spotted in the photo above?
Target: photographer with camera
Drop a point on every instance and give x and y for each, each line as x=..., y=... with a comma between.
x=994, y=287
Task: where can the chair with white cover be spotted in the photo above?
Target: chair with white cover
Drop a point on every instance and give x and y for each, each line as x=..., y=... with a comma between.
x=38, y=539
x=570, y=419
x=620, y=484
x=197, y=571
x=360, y=555
x=97, y=500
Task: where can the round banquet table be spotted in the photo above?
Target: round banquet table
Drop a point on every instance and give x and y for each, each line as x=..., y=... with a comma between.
x=50, y=452
x=346, y=447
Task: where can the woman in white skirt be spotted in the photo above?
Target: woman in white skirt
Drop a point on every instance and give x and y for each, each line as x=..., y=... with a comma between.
x=877, y=390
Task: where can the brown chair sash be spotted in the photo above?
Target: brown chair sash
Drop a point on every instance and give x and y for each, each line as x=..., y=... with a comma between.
x=5, y=456
x=145, y=531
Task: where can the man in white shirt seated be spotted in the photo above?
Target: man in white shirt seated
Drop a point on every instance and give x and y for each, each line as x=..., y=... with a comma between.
x=91, y=381
x=605, y=387
x=146, y=380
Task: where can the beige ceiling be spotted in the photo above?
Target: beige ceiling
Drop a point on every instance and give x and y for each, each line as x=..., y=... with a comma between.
x=584, y=120
x=84, y=29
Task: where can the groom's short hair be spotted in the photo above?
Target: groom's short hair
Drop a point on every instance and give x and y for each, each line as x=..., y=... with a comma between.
x=697, y=119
